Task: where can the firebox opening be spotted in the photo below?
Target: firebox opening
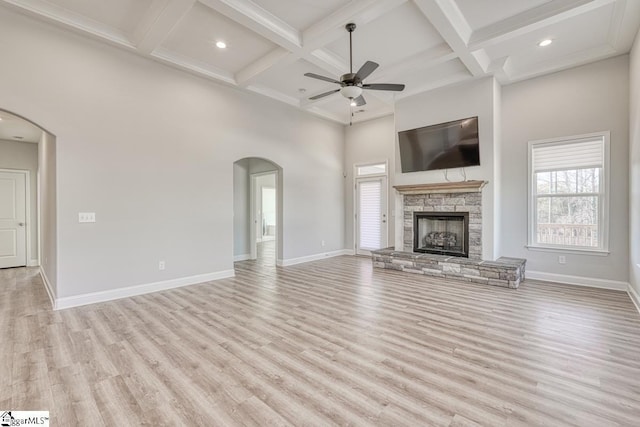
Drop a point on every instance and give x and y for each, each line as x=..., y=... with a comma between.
x=444, y=233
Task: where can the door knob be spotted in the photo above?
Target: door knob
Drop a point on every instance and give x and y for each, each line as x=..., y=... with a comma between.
x=21, y=224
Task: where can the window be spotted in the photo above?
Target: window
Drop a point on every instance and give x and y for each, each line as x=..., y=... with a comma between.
x=568, y=204
x=366, y=170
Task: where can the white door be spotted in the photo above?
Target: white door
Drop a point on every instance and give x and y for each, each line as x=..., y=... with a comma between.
x=13, y=241
x=371, y=217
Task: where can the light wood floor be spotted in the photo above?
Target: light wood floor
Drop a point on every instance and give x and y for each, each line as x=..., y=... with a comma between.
x=332, y=342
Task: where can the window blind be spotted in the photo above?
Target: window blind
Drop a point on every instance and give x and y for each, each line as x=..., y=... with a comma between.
x=568, y=155
x=370, y=214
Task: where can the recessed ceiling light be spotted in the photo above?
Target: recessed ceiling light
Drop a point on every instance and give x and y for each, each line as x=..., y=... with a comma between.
x=545, y=42
x=221, y=45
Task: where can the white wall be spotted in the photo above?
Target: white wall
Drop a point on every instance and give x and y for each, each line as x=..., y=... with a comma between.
x=24, y=155
x=477, y=98
x=634, y=162
x=151, y=150
x=372, y=141
x=47, y=186
x=581, y=100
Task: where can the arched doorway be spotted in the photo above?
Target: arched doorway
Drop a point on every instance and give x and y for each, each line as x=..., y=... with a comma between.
x=257, y=211
x=28, y=156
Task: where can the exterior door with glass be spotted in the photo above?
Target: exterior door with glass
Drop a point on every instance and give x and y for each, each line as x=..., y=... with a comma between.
x=371, y=214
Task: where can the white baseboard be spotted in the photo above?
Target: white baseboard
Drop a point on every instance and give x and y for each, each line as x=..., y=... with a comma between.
x=48, y=287
x=309, y=258
x=242, y=257
x=635, y=298
x=33, y=263
x=577, y=280
x=103, y=296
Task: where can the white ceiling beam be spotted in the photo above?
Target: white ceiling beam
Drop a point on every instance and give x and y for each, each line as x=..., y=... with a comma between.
x=445, y=16
x=251, y=72
x=158, y=22
x=259, y=21
x=531, y=20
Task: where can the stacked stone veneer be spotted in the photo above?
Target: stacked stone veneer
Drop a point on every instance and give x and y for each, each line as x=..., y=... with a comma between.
x=505, y=272
x=445, y=202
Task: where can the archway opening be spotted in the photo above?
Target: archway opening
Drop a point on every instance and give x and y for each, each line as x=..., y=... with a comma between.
x=257, y=211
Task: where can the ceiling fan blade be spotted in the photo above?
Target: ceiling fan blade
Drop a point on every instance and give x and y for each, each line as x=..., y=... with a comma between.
x=384, y=86
x=319, y=77
x=360, y=101
x=322, y=95
x=368, y=68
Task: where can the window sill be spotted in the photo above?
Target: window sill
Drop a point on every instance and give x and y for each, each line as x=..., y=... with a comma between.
x=594, y=252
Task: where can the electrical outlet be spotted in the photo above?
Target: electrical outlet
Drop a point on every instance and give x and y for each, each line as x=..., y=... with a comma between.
x=562, y=259
x=322, y=243
x=86, y=217
x=161, y=265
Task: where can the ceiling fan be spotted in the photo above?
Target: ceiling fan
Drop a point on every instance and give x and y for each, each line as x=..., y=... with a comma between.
x=351, y=85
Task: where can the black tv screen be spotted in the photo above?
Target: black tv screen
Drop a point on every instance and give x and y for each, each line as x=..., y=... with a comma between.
x=442, y=146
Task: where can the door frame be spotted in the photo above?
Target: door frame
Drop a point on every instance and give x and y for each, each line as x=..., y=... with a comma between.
x=253, y=237
x=385, y=202
x=27, y=220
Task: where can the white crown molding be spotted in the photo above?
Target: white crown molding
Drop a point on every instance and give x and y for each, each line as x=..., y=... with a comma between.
x=113, y=294
x=192, y=65
x=51, y=12
x=577, y=280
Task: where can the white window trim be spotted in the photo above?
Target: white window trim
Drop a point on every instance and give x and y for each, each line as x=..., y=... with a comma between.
x=603, y=226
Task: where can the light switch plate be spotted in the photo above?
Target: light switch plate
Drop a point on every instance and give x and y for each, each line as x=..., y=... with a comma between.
x=87, y=217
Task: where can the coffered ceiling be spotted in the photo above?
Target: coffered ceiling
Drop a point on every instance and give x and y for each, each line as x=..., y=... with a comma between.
x=425, y=44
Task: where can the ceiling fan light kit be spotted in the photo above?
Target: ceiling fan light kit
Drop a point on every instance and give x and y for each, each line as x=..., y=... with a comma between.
x=351, y=84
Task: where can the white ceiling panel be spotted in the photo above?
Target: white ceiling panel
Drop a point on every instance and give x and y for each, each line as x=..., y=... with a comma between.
x=394, y=36
x=123, y=15
x=480, y=13
x=419, y=78
x=289, y=79
x=566, y=35
x=300, y=14
x=196, y=36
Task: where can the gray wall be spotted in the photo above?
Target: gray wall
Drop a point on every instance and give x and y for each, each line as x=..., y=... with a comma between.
x=151, y=149
x=581, y=100
x=634, y=161
x=368, y=142
x=24, y=155
x=476, y=98
x=48, y=209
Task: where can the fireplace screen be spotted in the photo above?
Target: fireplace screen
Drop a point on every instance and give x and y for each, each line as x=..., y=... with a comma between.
x=445, y=233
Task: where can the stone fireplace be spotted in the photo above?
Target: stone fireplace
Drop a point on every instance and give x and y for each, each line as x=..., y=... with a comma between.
x=442, y=233
x=453, y=199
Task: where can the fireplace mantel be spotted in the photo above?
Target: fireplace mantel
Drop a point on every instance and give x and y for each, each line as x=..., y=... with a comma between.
x=442, y=187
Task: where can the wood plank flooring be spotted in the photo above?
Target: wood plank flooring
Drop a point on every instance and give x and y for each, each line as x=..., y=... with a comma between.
x=326, y=343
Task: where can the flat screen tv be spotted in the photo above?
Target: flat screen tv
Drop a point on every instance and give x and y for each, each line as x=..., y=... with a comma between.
x=442, y=146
